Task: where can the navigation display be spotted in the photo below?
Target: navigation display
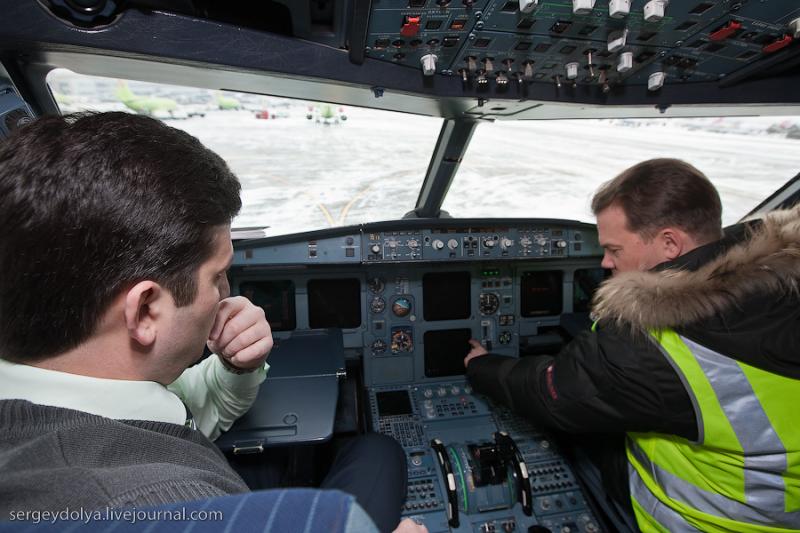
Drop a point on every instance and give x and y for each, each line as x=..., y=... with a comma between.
x=276, y=298
x=446, y=295
x=334, y=303
x=542, y=293
x=445, y=351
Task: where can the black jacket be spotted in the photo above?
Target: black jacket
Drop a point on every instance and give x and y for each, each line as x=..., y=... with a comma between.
x=737, y=296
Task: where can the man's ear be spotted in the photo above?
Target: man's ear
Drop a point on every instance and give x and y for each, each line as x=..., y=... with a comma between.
x=673, y=242
x=143, y=307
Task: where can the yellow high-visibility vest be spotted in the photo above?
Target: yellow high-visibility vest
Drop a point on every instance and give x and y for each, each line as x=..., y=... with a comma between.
x=743, y=472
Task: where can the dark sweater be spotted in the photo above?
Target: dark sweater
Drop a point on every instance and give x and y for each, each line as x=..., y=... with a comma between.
x=54, y=458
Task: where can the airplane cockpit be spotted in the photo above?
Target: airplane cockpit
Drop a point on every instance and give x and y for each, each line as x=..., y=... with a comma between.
x=417, y=174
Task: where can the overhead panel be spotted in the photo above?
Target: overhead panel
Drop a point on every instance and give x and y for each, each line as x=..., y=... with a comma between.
x=496, y=45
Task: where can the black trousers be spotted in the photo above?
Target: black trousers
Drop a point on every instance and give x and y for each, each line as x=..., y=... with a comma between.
x=371, y=467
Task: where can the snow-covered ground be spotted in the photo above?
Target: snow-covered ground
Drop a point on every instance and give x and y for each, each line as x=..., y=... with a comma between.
x=298, y=175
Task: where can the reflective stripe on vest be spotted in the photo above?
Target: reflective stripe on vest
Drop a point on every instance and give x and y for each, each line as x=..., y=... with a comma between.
x=657, y=516
x=743, y=474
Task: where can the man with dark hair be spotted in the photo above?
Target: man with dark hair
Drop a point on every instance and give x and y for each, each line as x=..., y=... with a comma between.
x=691, y=364
x=115, y=247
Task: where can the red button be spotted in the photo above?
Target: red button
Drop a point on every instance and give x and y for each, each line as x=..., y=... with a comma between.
x=410, y=27
x=777, y=45
x=726, y=31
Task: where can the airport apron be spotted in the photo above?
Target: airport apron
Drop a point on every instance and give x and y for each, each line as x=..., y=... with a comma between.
x=743, y=472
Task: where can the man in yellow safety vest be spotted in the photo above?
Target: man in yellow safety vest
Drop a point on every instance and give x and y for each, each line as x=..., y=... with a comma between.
x=694, y=359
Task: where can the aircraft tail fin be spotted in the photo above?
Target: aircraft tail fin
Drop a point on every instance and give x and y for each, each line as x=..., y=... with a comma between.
x=123, y=92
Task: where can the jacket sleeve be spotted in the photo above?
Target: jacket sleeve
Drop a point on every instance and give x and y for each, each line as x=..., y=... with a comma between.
x=603, y=381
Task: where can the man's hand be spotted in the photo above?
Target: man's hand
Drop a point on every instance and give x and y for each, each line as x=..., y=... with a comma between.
x=407, y=525
x=240, y=334
x=476, y=351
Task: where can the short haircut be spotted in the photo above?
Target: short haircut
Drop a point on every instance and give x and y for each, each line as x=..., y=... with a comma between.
x=92, y=204
x=659, y=193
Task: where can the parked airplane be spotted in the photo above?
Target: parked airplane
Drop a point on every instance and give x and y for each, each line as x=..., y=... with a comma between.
x=227, y=103
x=325, y=114
x=147, y=105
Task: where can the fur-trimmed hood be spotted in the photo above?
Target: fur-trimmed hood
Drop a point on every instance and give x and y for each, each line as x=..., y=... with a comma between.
x=766, y=261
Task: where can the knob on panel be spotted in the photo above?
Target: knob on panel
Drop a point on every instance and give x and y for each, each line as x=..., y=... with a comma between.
x=429, y=64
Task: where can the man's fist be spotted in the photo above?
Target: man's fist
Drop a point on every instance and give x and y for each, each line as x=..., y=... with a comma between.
x=240, y=334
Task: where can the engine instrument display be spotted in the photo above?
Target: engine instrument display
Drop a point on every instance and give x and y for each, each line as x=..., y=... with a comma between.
x=446, y=295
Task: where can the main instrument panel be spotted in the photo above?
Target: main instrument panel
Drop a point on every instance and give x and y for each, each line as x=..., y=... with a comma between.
x=408, y=298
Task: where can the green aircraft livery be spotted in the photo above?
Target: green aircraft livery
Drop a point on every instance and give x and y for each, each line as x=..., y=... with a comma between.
x=145, y=105
x=226, y=103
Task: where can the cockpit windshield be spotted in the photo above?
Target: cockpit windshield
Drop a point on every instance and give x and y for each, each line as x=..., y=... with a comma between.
x=311, y=165
x=551, y=168
x=303, y=165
